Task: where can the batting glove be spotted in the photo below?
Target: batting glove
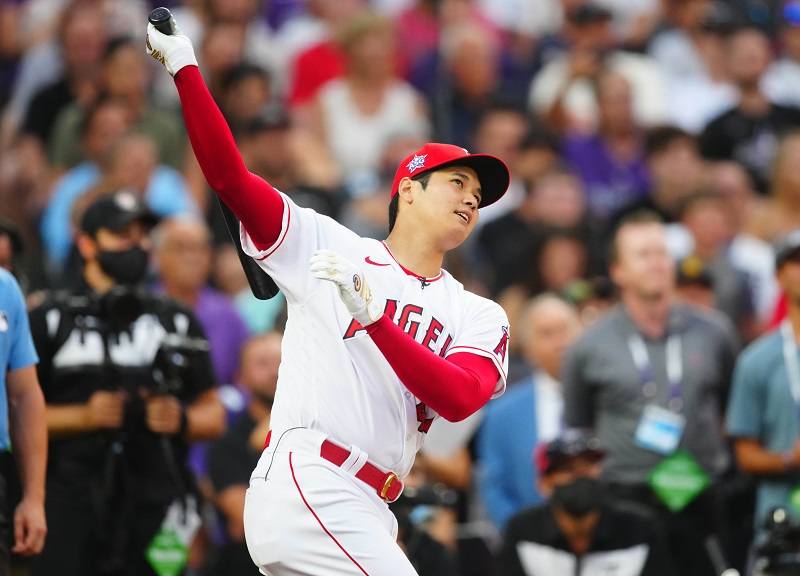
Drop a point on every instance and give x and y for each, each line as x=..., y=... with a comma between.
x=351, y=282
x=174, y=52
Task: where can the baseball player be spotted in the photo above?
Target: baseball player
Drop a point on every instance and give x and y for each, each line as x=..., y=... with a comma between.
x=379, y=341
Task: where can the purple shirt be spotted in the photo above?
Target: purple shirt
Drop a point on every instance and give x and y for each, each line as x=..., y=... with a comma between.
x=609, y=183
x=224, y=328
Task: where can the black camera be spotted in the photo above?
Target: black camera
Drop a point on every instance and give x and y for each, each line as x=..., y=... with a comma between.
x=173, y=362
x=779, y=554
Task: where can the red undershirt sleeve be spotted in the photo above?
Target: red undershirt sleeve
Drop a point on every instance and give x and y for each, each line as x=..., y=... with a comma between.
x=455, y=387
x=257, y=205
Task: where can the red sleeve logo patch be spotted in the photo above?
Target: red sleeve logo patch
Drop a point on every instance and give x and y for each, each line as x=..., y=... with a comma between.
x=502, y=346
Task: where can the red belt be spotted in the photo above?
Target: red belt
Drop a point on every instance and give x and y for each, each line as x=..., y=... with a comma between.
x=386, y=484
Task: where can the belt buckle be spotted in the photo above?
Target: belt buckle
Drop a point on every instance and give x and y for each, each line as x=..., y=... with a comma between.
x=391, y=478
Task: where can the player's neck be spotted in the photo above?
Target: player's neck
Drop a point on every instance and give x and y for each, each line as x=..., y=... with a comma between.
x=415, y=253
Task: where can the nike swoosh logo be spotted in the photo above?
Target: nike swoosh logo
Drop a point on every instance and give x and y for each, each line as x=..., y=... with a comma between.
x=369, y=260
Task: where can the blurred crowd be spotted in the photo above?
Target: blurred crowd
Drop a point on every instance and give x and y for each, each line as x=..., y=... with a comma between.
x=653, y=145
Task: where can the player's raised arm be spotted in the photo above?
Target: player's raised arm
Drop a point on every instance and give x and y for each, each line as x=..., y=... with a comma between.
x=254, y=201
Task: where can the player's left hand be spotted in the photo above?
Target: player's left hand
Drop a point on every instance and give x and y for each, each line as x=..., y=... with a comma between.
x=30, y=527
x=351, y=282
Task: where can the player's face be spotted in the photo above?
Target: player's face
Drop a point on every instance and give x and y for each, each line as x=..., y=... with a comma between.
x=449, y=204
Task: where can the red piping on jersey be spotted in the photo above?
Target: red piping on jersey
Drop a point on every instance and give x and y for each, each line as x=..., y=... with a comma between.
x=255, y=202
x=310, y=509
x=486, y=352
x=455, y=386
x=409, y=272
x=282, y=237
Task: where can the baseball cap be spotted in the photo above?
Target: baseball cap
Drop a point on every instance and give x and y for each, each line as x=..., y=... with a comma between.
x=786, y=247
x=116, y=211
x=552, y=455
x=492, y=172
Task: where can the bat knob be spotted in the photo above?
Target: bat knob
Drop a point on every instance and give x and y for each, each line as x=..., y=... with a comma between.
x=161, y=19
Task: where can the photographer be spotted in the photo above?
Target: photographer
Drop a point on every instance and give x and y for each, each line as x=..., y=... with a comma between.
x=582, y=529
x=129, y=385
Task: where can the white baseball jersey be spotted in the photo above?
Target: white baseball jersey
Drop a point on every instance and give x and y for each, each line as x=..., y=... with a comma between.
x=333, y=378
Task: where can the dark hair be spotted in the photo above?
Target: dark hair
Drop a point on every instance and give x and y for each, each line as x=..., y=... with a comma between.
x=116, y=44
x=697, y=198
x=661, y=137
x=93, y=109
x=394, y=203
x=637, y=217
x=242, y=72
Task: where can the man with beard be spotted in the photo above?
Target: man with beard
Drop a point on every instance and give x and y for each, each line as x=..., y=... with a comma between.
x=233, y=457
x=580, y=530
x=121, y=410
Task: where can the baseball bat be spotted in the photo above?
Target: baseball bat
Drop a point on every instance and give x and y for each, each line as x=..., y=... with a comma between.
x=262, y=285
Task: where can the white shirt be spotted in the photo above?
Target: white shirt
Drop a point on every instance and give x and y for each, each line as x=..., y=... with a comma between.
x=332, y=377
x=549, y=407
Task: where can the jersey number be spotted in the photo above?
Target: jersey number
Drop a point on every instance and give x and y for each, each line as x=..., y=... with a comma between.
x=424, y=421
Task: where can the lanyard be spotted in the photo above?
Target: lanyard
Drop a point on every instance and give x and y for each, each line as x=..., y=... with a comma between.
x=790, y=358
x=674, y=369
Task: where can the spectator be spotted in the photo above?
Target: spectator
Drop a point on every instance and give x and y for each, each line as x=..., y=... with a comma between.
x=562, y=258
x=23, y=423
x=355, y=115
x=582, y=529
x=779, y=214
x=82, y=38
x=782, y=80
x=259, y=315
x=610, y=163
x=246, y=92
x=762, y=414
x=272, y=148
x=692, y=54
x=748, y=254
x=221, y=50
x=318, y=59
x=749, y=132
x=638, y=369
x=124, y=78
x=706, y=218
x=556, y=200
x=529, y=413
x=562, y=91
x=183, y=258
x=676, y=172
x=70, y=50
x=465, y=84
x=119, y=429
x=501, y=132
x=103, y=124
x=128, y=162
x=232, y=458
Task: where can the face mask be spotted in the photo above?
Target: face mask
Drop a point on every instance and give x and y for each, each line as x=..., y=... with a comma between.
x=126, y=267
x=580, y=497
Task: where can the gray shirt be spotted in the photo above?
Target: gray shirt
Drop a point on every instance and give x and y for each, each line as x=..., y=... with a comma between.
x=604, y=390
